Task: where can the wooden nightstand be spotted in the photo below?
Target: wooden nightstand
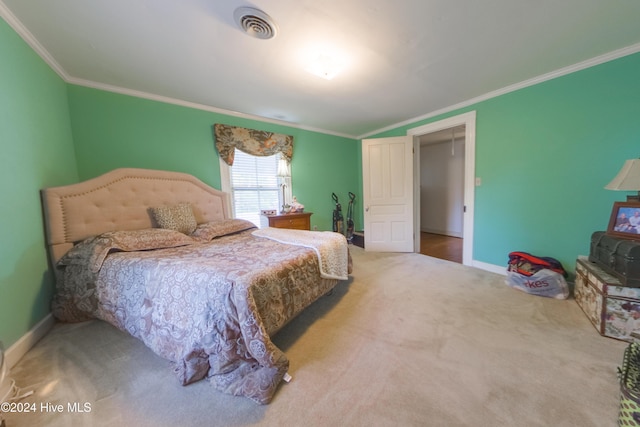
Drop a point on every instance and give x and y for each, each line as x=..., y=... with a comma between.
x=298, y=221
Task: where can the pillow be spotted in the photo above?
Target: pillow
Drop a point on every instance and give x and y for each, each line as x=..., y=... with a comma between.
x=210, y=230
x=178, y=217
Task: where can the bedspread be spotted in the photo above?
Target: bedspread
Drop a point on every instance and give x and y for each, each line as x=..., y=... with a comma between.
x=209, y=308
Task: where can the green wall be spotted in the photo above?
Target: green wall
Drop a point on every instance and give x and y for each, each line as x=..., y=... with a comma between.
x=112, y=130
x=544, y=154
x=37, y=151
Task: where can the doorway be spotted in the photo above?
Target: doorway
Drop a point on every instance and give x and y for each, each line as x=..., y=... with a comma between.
x=457, y=128
x=441, y=209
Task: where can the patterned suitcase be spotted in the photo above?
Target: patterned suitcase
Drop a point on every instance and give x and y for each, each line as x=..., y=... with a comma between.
x=618, y=256
x=613, y=309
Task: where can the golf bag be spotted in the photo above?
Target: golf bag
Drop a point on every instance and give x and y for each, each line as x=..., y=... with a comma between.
x=338, y=219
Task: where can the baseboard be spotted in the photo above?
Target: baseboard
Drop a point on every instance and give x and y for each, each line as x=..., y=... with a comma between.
x=442, y=232
x=500, y=269
x=28, y=340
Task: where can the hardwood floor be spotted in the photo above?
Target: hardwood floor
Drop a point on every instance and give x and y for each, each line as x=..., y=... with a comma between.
x=439, y=246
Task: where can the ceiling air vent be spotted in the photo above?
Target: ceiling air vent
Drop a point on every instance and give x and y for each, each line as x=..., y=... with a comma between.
x=255, y=23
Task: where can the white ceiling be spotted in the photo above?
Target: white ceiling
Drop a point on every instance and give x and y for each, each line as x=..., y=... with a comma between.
x=406, y=59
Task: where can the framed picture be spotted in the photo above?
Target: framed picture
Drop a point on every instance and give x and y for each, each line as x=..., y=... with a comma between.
x=625, y=220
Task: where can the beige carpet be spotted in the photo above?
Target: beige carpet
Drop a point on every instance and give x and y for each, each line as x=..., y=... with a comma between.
x=409, y=341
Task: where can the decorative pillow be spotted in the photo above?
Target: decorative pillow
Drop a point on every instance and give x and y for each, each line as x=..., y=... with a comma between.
x=178, y=217
x=94, y=250
x=210, y=230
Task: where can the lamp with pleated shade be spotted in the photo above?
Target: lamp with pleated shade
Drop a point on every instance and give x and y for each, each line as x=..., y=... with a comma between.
x=628, y=179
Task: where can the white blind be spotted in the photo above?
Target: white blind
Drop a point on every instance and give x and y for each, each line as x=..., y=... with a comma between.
x=254, y=185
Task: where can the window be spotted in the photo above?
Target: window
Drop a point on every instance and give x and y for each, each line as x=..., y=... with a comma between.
x=255, y=186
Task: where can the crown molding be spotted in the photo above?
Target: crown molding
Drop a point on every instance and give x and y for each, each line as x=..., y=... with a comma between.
x=29, y=38
x=610, y=56
x=188, y=104
x=26, y=35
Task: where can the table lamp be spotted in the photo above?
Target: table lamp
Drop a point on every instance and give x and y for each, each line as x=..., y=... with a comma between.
x=628, y=179
x=283, y=172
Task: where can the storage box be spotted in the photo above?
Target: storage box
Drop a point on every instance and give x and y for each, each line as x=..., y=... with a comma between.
x=613, y=309
x=618, y=256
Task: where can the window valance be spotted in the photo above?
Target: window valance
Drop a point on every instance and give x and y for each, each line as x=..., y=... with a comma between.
x=251, y=141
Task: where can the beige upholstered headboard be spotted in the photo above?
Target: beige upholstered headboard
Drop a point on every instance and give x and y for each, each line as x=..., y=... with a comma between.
x=120, y=200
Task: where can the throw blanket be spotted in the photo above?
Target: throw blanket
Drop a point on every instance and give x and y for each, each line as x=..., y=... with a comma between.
x=331, y=248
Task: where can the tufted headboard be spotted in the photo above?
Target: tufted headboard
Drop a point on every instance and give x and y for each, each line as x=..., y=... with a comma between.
x=120, y=200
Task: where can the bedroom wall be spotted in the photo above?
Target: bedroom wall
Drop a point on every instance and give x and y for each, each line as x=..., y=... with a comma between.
x=112, y=130
x=544, y=154
x=37, y=151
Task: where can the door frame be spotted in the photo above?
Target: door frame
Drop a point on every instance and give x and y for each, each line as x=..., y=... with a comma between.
x=469, y=121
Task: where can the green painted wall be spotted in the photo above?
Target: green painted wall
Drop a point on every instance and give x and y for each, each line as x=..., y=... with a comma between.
x=37, y=151
x=112, y=130
x=544, y=154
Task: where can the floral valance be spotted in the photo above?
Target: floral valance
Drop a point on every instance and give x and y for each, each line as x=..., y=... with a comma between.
x=251, y=141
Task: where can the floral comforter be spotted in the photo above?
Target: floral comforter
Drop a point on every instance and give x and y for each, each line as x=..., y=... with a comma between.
x=207, y=302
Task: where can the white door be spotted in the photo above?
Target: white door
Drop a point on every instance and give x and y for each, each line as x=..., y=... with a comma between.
x=387, y=167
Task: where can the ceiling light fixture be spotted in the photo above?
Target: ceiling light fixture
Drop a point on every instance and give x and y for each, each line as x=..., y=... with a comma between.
x=324, y=66
x=255, y=23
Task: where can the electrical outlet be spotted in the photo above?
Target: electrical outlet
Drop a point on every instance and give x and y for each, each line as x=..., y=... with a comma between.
x=268, y=212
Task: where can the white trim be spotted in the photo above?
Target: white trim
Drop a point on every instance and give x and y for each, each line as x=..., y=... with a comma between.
x=502, y=270
x=28, y=340
x=23, y=32
x=30, y=39
x=469, y=121
x=225, y=176
x=610, y=56
x=196, y=106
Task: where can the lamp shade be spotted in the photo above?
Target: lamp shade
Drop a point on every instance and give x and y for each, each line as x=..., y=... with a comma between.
x=628, y=179
x=283, y=168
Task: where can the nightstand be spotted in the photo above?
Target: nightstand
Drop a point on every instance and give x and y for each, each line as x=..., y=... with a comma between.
x=298, y=221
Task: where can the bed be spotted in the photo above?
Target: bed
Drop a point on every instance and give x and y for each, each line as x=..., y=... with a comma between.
x=156, y=254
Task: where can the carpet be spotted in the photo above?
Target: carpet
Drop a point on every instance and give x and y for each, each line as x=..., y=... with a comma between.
x=408, y=340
